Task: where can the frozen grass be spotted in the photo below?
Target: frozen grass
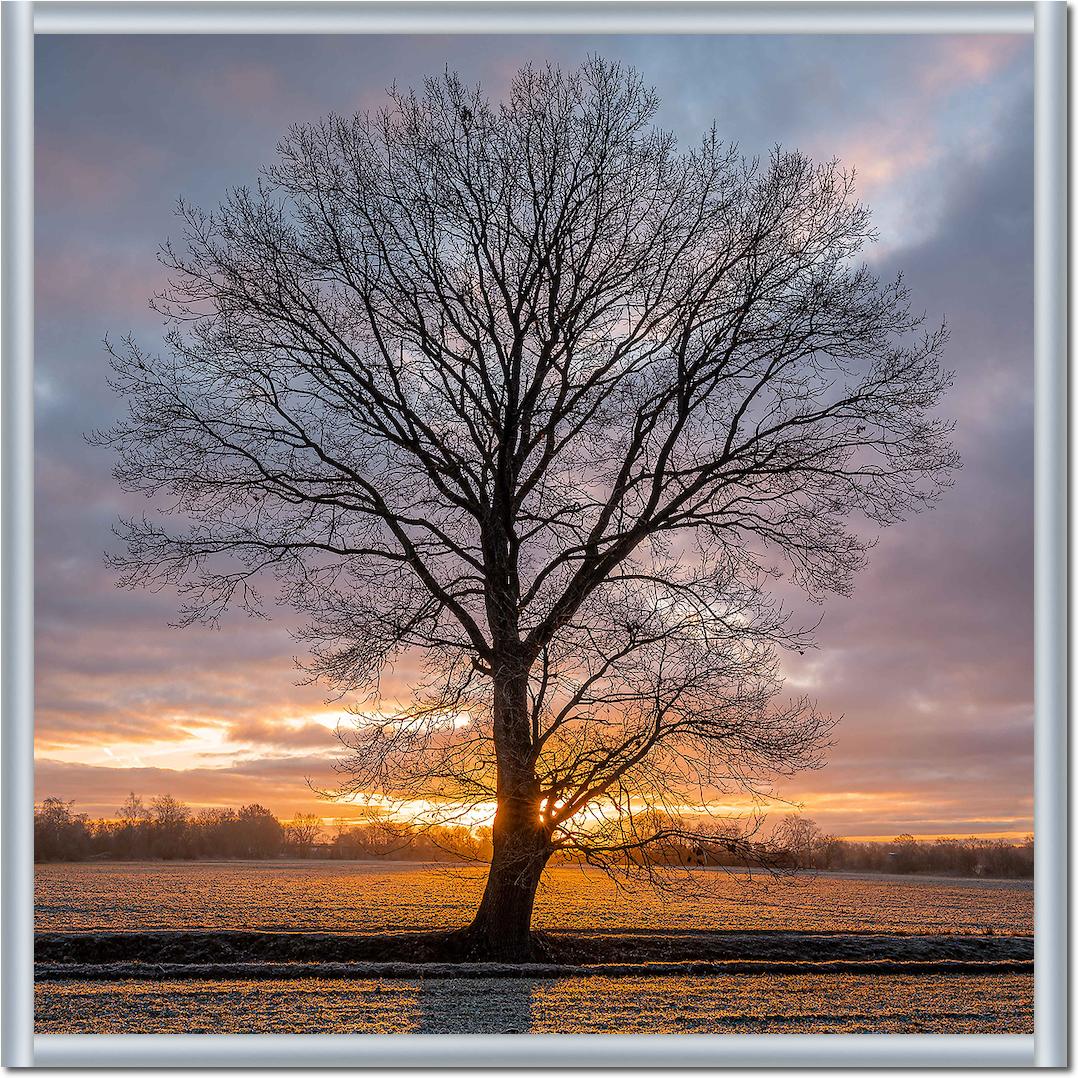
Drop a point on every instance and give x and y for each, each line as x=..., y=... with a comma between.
x=335, y=947
x=852, y=1003
x=381, y=897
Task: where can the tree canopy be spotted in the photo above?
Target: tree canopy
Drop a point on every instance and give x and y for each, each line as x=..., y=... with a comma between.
x=531, y=392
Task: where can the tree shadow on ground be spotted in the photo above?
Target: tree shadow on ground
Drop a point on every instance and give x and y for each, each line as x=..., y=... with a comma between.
x=479, y=1005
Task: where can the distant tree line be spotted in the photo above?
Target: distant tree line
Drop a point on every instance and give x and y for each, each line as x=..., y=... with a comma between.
x=166, y=829
x=998, y=858
x=995, y=858
x=798, y=843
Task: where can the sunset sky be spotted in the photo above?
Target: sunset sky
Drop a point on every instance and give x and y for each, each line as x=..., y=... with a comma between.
x=929, y=663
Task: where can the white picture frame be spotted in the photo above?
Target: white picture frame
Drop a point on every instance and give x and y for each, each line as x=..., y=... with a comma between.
x=1047, y=1047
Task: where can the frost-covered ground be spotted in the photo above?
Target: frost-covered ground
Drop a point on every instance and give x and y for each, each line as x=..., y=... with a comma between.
x=380, y=897
x=306, y=947
x=740, y=1004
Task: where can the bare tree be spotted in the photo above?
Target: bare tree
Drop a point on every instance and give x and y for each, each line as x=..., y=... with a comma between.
x=527, y=390
x=303, y=831
x=133, y=812
x=799, y=839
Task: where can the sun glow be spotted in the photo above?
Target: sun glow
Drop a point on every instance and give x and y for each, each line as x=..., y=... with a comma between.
x=296, y=749
x=196, y=741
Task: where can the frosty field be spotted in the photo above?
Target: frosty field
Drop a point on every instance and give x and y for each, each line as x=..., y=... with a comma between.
x=840, y=917
x=378, y=896
x=759, y=1004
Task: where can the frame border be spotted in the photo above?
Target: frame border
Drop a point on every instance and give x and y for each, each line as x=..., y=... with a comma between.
x=17, y=534
x=532, y=16
x=1047, y=19
x=1050, y=573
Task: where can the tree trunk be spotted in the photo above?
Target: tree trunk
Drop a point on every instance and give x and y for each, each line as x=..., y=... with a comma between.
x=501, y=930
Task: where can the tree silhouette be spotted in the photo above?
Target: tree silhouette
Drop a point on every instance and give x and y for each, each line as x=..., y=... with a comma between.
x=303, y=831
x=527, y=391
x=800, y=839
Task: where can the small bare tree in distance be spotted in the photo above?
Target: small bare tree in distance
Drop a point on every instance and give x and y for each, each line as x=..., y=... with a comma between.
x=799, y=838
x=527, y=390
x=303, y=830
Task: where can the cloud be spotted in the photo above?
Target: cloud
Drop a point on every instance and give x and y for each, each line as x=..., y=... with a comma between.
x=84, y=173
x=103, y=281
x=949, y=63
x=281, y=785
x=930, y=661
